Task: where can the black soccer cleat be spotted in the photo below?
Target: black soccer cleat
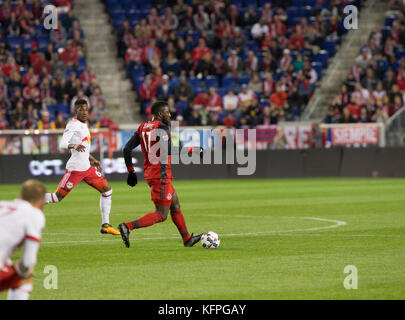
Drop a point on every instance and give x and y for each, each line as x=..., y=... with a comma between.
x=193, y=240
x=124, y=230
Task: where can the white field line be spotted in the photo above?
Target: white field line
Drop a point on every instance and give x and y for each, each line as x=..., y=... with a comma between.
x=337, y=223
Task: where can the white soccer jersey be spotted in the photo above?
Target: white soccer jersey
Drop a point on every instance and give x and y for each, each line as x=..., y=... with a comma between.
x=19, y=222
x=77, y=132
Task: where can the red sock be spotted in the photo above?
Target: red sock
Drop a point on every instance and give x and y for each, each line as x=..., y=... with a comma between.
x=178, y=220
x=147, y=220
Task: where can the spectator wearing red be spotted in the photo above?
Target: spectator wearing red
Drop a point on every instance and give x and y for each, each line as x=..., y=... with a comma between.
x=279, y=97
x=69, y=55
x=354, y=107
x=9, y=66
x=234, y=64
x=229, y=121
x=147, y=91
x=106, y=121
x=31, y=91
x=297, y=39
x=87, y=77
x=277, y=27
x=401, y=81
x=133, y=54
x=251, y=63
x=200, y=101
x=200, y=51
x=266, y=42
x=268, y=85
x=214, y=103
x=63, y=3
x=19, y=9
x=41, y=64
x=34, y=54
x=267, y=14
x=37, y=10
x=30, y=75
x=397, y=105
x=150, y=51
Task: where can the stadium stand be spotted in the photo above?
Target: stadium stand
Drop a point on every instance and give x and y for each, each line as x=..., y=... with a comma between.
x=42, y=71
x=282, y=45
x=375, y=86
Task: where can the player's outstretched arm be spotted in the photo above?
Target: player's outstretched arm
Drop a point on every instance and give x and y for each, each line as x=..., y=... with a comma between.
x=132, y=143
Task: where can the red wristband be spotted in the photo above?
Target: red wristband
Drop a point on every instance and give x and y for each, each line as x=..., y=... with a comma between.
x=131, y=169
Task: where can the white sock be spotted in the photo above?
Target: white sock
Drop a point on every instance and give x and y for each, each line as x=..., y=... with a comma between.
x=21, y=293
x=51, y=197
x=105, y=206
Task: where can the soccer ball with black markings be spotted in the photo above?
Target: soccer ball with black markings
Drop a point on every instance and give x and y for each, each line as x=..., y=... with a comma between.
x=210, y=240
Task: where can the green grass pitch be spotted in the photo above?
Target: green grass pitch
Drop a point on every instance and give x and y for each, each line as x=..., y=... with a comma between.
x=280, y=239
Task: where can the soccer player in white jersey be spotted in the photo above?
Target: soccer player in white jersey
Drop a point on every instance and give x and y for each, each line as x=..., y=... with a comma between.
x=21, y=224
x=82, y=165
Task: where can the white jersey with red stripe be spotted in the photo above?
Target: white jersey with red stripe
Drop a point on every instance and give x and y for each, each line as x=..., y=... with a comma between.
x=77, y=132
x=19, y=222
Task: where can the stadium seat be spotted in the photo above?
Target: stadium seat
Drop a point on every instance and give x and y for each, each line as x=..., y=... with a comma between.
x=182, y=105
x=14, y=42
x=138, y=72
x=228, y=83
x=329, y=46
x=211, y=82
x=318, y=68
x=243, y=80
x=292, y=12
x=322, y=57
x=195, y=83
x=63, y=108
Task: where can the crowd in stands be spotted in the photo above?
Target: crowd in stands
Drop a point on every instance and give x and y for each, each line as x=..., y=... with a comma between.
x=375, y=86
x=238, y=63
x=42, y=72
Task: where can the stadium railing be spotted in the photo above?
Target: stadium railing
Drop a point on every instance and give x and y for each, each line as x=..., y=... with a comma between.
x=395, y=128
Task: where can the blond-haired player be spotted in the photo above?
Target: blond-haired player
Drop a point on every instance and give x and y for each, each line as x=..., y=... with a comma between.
x=21, y=224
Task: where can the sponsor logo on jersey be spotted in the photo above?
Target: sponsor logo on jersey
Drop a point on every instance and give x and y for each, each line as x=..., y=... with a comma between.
x=169, y=196
x=69, y=185
x=86, y=139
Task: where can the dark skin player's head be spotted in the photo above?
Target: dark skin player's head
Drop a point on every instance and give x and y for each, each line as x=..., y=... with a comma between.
x=81, y=110
x=160, y=112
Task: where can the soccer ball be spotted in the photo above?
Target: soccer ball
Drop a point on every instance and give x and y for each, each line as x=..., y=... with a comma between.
x=210, y=240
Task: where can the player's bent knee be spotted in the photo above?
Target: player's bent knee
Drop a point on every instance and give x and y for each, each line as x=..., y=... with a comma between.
x=106, y=193
x=106, y=188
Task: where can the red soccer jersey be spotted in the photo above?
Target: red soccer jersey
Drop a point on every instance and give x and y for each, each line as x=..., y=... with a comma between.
x=154, y=138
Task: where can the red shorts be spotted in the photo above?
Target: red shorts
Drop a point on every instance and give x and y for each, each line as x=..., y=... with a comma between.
x=9, y=279
x=161, y=191
x=92, y=177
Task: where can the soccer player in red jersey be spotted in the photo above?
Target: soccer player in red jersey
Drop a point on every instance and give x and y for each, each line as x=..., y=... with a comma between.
x=154, y=138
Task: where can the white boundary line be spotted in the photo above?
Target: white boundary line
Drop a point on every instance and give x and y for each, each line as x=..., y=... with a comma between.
x=337, y=223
